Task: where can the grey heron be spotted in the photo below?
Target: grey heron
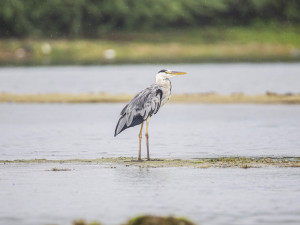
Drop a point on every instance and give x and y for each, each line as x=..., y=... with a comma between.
x=145, y=104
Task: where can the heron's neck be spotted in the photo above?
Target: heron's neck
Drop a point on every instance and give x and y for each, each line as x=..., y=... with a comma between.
x=164, y=82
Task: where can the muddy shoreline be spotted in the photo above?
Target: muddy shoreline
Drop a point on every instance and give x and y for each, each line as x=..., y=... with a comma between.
x=221, y=162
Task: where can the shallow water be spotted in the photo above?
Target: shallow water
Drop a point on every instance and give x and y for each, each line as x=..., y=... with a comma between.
x=33, y=195
x=221, y=78
x=68, y=131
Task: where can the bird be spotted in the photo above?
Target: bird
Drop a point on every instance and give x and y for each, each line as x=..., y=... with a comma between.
x=145, y=104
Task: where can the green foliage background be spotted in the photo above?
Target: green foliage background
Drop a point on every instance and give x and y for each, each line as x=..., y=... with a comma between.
x=91, y=18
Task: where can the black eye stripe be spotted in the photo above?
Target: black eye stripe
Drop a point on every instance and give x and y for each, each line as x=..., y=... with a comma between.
x=162, y=71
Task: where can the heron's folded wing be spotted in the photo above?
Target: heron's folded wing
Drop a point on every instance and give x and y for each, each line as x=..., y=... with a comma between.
x=144, y=104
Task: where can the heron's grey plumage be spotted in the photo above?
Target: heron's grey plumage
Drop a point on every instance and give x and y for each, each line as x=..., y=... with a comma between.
x=146, y=103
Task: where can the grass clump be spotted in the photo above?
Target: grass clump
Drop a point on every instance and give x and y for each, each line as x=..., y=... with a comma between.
x=145, y=220
x=157, y=220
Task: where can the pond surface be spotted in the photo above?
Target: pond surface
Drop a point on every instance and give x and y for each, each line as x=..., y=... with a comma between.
x=33, y=195
x=221, y=78
x=68, y=131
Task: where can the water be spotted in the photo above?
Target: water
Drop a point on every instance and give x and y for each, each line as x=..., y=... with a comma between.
x=33, y=195
x=64, y=131
x=220, y=78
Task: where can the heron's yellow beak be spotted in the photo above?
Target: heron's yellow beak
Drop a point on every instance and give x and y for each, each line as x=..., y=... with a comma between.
x=175, y=73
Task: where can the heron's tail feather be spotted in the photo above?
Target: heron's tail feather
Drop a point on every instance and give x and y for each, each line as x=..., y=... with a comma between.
x=122, y=123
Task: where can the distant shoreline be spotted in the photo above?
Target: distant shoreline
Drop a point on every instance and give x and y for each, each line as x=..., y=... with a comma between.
x=212, y=44
x=268, y=98
x=99, y=52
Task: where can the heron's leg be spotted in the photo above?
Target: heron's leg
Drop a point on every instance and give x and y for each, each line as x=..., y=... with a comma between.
x=147, y=138
x=140, y=140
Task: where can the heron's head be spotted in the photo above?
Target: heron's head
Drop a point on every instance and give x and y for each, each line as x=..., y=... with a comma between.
x=163, y=74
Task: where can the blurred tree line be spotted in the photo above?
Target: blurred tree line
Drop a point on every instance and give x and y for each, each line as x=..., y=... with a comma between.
x=91, y=18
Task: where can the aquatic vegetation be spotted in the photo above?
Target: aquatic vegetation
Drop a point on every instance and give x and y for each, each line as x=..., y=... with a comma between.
x=145, y=220
x=151, y=220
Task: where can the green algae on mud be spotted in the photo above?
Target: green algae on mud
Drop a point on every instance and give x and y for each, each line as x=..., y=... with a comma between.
x=150, y=220
x=145, y=220
x=221, y=162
